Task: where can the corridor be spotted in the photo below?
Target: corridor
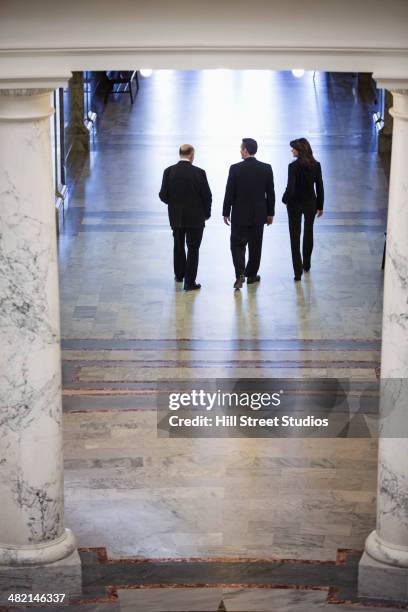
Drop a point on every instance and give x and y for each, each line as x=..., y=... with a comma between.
x=126, y=325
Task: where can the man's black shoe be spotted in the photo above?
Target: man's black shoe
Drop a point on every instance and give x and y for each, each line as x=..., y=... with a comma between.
x=253, y=279
x=297, y=278
x=306, y=268
x=179, y=279
x=239, y=282
x=192, y=287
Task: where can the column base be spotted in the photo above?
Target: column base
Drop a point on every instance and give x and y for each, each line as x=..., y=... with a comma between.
x=378, y=580
x=62, y=576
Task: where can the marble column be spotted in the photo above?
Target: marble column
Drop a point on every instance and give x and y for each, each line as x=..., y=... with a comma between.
x=383, y=571
x=78, y=133
x=37, y=553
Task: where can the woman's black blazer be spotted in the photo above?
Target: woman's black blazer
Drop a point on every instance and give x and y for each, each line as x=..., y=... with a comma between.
x=305, y=184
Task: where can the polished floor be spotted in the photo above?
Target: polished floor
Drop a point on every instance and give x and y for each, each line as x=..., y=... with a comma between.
x=126, y=325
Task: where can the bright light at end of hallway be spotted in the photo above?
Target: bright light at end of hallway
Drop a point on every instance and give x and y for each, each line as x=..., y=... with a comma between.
x=146, y=72
x=298, y=72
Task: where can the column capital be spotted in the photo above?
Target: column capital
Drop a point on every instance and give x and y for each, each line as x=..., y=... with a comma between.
x=26, y=98
x=36, y=82
x=399, y=108
x=398, y=86
x=396, y=83
x=25, y=104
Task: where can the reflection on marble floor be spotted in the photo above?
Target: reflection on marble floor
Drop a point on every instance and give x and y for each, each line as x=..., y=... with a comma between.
x=125, y=323
x=116, y=247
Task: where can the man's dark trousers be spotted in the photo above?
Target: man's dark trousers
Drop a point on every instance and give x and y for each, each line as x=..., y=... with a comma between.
x=185, y=266
x=241, y=236
x=295, y=227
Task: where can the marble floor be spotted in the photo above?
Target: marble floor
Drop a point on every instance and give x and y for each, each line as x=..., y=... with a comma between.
x=126, y=326
x=239, y=585
x=232, y=600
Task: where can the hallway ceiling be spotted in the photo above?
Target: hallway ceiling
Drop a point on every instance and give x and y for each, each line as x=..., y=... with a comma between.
x=43, y=42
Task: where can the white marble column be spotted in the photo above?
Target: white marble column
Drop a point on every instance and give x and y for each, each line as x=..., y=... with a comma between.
x=34, y=544
x=384, y=566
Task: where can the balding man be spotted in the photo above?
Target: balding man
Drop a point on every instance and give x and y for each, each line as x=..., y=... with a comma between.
x=186, y=191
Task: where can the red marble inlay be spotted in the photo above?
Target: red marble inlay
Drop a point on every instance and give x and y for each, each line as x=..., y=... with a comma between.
x=103, y=558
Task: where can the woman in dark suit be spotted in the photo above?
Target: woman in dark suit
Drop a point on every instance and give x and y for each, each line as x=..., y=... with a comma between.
x=304, y=196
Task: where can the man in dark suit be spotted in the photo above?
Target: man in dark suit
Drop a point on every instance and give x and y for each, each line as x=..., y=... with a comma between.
x=186, y=191
x=250, y=195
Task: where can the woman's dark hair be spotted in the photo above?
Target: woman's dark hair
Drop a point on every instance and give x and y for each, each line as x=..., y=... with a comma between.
x=304, y=149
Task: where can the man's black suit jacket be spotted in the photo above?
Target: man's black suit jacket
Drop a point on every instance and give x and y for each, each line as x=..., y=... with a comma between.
x=186, y=191
x=250, y=193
